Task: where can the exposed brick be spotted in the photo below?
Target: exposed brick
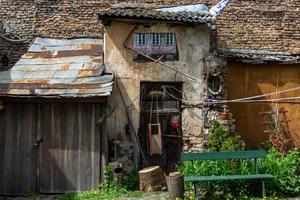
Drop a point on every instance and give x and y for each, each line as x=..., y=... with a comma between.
x=266, y=25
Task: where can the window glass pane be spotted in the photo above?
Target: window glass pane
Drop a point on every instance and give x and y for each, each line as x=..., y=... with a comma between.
x=170, y=38
x=155, y=39
x=140, y=39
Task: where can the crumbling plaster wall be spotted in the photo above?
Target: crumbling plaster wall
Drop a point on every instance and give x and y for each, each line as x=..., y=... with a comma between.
x=193, y=45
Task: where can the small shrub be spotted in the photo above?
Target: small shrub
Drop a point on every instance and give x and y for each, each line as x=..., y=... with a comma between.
x=220, y=139
x=285, y=169
x=108, y=178
x=131, y=181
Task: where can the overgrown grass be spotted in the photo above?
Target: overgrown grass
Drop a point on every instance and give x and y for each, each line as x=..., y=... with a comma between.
x=189, y=195
x=101, y=195
x=108, y=189
x=285, y=169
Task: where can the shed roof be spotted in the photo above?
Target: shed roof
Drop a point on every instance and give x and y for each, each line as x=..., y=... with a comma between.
x=181, y=14
x=259, y=56
x=59, y=68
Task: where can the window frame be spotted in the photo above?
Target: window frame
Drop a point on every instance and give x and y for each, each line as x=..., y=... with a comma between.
x=170, y=39
x=155, y=39
x=141, y=39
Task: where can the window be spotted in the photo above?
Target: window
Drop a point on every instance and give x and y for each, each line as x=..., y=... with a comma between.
x=155, y=45
x=155, y=39
x=170, y=39
x=141, y=39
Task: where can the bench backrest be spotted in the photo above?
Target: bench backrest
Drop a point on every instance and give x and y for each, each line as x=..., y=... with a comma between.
x=224, y=155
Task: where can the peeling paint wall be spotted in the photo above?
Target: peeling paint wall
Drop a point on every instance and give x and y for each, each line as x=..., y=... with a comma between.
x=193, y=45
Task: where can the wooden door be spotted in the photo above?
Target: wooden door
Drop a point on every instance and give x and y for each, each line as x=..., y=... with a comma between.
x=246, y=80
x=18, y=132
x=69, y=159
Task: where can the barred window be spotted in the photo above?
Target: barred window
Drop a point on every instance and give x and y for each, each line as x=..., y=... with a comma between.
x=155, y=39
x=156, y=45
x=170, y=39
x=141, y=39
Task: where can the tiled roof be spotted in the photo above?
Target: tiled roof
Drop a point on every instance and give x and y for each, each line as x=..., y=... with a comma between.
x=51, y=67
x=259, y=57
x=159, y=14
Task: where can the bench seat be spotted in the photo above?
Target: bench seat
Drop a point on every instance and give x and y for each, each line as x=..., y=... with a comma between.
x=236, y=155
x=227, y=177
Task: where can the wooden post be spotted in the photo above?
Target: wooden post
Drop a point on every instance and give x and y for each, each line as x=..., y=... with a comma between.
x=175, y=185
x=152, y=179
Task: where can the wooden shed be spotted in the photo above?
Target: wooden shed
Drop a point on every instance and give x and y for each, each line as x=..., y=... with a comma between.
x=275, y=78
x=51, y=101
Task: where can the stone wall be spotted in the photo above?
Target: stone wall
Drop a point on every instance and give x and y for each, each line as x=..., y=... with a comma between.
x=251, y=24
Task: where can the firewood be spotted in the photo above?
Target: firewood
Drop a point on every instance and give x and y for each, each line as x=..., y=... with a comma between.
x=152, y=179
x=175, y=185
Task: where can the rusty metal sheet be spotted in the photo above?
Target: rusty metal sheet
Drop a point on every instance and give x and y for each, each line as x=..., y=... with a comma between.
x=72, y=91
x=59, y=68
x=42, y=61
x=40, y=48
x=99, y=79
x=59, y=42
x=19, y=75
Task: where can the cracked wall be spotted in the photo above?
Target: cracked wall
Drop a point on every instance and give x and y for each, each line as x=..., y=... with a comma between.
x=193, y=46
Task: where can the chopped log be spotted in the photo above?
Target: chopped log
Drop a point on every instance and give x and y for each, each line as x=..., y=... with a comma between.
x=175, y=185
x=152, y=179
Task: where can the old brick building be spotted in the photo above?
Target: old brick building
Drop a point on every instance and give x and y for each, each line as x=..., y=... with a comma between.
x=265, y=25
x=272, y=26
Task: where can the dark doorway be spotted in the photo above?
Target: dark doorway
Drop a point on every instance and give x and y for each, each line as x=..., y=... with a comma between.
x=160, y=122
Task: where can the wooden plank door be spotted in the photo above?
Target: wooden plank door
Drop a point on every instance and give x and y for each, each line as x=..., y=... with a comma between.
x=18, y=132
x=69, y=159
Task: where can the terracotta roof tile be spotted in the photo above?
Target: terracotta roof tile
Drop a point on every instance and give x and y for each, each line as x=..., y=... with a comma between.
x=146, y=14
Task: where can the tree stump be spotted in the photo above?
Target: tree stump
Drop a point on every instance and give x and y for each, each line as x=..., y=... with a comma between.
x=175, y=185
x=152, y=179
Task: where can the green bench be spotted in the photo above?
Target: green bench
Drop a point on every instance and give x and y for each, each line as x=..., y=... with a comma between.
x=238, y=155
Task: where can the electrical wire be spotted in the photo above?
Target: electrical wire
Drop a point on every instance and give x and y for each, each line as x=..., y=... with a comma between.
x=257, y=96
x=231, y=101
x=263, y=100
x=184, y=101
x=15, y=39
x=183, y=93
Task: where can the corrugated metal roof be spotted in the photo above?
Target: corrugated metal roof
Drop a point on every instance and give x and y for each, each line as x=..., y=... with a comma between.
x=52, y=67
x=162, y=15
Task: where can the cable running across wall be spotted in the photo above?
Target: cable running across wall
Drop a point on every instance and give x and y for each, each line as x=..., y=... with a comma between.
x=258, y=96
x=241, y=100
